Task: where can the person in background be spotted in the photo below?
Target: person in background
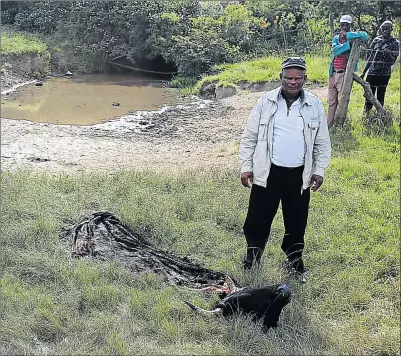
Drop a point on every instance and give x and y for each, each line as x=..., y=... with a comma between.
x=340, y=49
x=284, y=150
x=384, y=52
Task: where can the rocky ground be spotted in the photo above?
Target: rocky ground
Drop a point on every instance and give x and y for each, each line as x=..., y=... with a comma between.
x=199, y=134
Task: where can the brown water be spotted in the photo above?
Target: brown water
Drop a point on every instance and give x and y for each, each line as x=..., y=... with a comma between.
x=86, y=100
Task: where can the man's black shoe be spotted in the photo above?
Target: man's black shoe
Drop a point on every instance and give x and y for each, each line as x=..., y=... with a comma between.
x=247, y=265
x=252, y=258
x=296, y=268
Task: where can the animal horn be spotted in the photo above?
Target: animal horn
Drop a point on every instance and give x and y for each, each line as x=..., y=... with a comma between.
x=203, y=311
x=230, y=284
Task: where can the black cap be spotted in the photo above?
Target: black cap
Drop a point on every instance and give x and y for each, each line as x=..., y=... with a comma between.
x=294, y=62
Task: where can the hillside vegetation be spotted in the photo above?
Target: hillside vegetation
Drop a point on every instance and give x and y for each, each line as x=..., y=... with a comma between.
x=189, y=37
x=21, y=43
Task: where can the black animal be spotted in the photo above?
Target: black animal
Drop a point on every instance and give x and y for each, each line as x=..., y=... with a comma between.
x=261, y=303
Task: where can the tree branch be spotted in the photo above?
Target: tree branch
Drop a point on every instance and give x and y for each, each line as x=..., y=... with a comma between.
x=367, y=93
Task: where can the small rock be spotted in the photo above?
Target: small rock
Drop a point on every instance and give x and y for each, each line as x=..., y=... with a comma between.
x=224, y=92
x=39, y=84
x=38, y=159
x=68, y=74
x=207, y=90
x=115, y=103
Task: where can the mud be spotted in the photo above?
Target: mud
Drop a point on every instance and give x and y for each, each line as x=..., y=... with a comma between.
x=199, y=134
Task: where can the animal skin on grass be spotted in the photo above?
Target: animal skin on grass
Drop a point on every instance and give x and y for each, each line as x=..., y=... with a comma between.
x=261, y=303
x=103, y=236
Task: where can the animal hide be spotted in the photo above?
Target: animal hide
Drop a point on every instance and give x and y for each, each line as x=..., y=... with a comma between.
x=103, y=236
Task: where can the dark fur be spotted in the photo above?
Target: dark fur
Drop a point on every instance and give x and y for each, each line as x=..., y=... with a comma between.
x=262, y=303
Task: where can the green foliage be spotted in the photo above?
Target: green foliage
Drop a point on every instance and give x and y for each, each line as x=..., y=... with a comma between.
x=186, y=85
x=264, y=69
x=201, y=48
x=367, y=15
x=194, y=36
x=171, y=16
x=21, y=43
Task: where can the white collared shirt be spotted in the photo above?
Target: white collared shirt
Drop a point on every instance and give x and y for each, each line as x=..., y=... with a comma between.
x=288, y=135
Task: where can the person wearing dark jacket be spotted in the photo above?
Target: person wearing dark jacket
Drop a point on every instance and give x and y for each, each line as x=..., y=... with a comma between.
x=384, y=52
x=340, y=49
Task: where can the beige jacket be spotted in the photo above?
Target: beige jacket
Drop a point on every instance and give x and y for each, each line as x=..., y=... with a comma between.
x=255, y=150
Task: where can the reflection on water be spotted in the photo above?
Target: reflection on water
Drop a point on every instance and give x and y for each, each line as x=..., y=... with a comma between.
x=86, y=100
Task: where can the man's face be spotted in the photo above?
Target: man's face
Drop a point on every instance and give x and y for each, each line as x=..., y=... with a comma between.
x=292, y=80
x=385, y=30
x=345, y=26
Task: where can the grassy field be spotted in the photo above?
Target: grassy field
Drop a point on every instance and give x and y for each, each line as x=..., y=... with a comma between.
x=19, y=43
x=265, y=69
x=51, y=304
x=268, y=69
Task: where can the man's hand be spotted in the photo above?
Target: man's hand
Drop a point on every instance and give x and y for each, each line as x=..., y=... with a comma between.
x=316, y=182
x=247, y=179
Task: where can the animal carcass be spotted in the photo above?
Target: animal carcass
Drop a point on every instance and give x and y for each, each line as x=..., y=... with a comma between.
x=261, y=303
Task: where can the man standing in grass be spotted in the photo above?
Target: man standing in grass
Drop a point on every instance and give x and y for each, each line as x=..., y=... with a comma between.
x=384, y=52
x=340, y=49
x=284, y=150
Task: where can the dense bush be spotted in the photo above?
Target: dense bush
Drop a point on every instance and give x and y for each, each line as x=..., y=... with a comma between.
x=193, y=35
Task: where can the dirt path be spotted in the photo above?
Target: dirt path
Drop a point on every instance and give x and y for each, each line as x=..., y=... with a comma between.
x=198, y=134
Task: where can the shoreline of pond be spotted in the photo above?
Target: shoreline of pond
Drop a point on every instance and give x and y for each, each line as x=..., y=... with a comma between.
x=85, y=99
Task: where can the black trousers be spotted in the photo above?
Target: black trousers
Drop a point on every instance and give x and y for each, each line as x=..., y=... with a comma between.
x=283, y=184
x=378, y=83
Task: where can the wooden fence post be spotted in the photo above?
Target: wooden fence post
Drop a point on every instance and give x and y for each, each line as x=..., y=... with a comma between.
x=347, y=84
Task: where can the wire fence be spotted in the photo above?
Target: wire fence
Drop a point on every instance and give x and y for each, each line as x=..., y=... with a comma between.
x=308, y=41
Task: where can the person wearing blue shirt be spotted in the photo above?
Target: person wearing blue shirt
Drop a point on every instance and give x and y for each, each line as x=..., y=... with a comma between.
x=340, y=49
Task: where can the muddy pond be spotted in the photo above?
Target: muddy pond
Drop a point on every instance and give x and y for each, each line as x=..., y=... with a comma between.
x=87, y=99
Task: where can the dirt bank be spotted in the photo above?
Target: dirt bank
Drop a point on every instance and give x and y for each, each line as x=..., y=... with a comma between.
x=198, y=134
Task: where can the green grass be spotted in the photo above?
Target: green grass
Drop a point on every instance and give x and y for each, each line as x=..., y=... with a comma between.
x=51, y=304
x=262, y=70
x=268, y=69
x=20, y=43
x=349, y=306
